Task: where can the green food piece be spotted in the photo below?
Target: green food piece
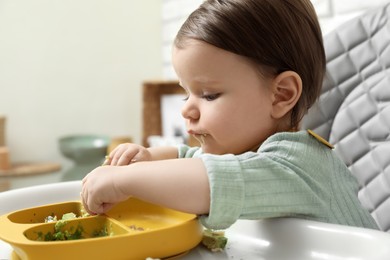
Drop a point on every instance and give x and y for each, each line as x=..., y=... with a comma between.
x=60, y=224
x=100, y=233
x=77, y=234
x=72, y=233
x=84, y=213
x=60, y=234
x=48, y=237
x=214, y=240
x=68, y=216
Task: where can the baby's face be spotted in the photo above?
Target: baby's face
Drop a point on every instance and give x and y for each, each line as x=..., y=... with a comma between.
x=228, y=105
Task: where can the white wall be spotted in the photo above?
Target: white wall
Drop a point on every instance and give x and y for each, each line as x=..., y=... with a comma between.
x=174, y=13
x=74, y=66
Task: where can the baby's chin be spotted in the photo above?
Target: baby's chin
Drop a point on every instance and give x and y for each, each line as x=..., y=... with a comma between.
x=211, y=146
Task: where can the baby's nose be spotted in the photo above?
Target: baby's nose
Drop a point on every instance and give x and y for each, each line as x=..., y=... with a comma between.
x=190, y=111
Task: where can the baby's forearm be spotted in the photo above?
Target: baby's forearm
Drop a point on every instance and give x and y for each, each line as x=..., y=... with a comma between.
x=181, y=184
x=163, y=153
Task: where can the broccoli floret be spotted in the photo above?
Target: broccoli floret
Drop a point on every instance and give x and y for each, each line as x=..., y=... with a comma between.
x=214, y=240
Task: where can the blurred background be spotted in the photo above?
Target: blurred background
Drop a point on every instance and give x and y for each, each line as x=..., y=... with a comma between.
x=76, y=67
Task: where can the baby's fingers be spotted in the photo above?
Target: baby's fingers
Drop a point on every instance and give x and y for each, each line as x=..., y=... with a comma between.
x=84, y=200
x=107, y=206
x=88, y=204
x=127, y=157
x=122, y=155
x=93, y=207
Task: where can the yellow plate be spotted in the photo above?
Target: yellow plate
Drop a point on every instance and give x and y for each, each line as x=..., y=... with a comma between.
x=136, y=230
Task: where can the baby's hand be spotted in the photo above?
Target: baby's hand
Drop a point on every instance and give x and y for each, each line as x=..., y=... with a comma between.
x=127, y=153
x=100, y=191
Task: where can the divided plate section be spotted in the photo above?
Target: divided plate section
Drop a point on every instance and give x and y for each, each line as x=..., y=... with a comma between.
x=142, y=216
x=39, y=214
x=75, y=229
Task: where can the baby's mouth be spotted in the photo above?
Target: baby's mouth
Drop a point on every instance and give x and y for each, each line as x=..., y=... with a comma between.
x=200, y=138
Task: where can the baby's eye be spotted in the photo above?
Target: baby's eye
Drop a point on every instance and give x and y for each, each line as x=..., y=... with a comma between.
x=186, y=98
x=211, y=97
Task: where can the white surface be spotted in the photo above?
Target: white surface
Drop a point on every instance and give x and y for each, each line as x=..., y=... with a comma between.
x=171, y=117
x=278, y=239
x=17, y=182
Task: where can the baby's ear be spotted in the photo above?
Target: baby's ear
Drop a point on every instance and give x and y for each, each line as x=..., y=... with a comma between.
x=286, y=89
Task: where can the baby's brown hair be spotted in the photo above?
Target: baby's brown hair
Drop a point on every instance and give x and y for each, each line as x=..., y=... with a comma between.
x=277, y=35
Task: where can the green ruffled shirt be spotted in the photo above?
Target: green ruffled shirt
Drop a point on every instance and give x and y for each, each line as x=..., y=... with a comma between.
x=290, y=175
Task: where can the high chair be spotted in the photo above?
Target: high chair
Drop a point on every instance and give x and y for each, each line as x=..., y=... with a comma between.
x=353, y=111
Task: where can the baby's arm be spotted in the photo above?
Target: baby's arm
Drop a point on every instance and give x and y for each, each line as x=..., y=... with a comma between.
x=181, y=184
x=127, y=153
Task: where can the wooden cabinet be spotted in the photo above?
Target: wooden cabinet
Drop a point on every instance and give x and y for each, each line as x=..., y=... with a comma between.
x=152, y=92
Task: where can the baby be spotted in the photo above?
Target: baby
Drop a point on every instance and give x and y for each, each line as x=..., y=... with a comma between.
x=251, y=70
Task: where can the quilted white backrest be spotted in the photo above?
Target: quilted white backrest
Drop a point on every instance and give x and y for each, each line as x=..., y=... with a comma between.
x=353, y=111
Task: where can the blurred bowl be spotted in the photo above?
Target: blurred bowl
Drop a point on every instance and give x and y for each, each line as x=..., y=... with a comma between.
x=84, y=148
